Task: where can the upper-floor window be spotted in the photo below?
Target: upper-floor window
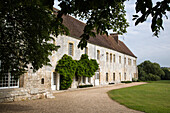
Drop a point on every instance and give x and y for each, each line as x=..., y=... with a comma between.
x=106, y=77
x=120, y=59
x=114, y=58
x=134, y=62
x=70, y=49
x=98, y=54
x=125, y=60
x=107, y=57
x=111, y=57
x=129, y=61
x=124, y=76
x=86, y=50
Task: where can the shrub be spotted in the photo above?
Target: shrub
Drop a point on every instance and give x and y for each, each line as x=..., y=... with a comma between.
x=134, y=79
x=84, y=86
x=126, y=81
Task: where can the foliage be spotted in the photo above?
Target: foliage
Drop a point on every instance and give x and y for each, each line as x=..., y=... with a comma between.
x=26, y=25
x=157, y=12
x=146, y=98
x=66, y=67
x=126, y=81
x=149, y=71
x=86, y=67
x=84, y=86
x=167, y=74
x=25, y=28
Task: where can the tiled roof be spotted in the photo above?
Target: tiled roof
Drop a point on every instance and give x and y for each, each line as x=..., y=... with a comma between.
x=76, y=28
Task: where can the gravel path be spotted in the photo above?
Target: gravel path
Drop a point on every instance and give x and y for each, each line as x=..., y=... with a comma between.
x=93, y=100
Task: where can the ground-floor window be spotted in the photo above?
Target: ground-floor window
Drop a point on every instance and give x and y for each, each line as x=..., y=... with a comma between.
x=120, y=76
x=106, y=77
x=84, y=79
x=8, y=81
x=113, y=76
x=89, y=80
x=97, y=75
x=125, y=76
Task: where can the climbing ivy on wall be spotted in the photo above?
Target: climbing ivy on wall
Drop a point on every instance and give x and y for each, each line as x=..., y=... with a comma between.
x=68, y=68
x=86, y=67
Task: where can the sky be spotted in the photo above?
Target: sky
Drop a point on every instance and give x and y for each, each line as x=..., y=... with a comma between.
x=140, y=40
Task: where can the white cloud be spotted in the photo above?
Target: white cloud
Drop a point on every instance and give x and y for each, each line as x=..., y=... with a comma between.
x=140, y=40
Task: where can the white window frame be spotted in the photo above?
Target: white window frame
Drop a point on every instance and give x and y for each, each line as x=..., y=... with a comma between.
x=9, y=80
x=72, y=49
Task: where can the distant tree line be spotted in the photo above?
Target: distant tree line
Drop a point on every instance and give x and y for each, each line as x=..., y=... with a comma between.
x=148, y=71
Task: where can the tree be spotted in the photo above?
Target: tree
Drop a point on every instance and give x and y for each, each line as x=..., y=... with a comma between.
x=150, y=71
x=167, y=74
x=25, y=26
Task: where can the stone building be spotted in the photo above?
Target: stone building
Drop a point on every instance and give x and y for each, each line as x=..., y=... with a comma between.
x=116, y=63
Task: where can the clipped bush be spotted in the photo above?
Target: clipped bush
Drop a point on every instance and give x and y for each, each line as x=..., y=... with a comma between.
x=84, y=86
x=126, y=81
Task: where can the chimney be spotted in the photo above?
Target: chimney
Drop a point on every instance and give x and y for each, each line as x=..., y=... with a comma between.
x=115, y=36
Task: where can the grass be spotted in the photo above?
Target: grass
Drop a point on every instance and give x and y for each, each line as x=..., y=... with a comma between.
x=153, y=97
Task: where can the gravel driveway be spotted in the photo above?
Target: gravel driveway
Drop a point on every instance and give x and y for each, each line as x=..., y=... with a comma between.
x=92, y=100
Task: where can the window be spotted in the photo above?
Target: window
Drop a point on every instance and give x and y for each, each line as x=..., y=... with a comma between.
x=98, y=54
x=124, y=76
x=97, y=75
x=8, y=81
x=134, y=62
x=70, y=50
x=125, y=60
x=84, y=79
x=42, y=81
x=86, y=50
x=76, y=78
x=54, y=78
x=106, y=77
x=120, y=59
x=114, y=58
x=113, y=76
x=120, y=76
x=89, y=80
x=107, y=57
x=111, y=57
x=129, y=61
x=135, y=75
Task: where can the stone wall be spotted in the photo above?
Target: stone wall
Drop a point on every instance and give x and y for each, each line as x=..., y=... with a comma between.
x=31, y=87
x=21, y=94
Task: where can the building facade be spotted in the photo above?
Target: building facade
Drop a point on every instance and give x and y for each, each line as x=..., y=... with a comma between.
x=116, y=63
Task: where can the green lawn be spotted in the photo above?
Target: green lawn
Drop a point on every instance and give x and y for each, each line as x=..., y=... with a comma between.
x=153, y=97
